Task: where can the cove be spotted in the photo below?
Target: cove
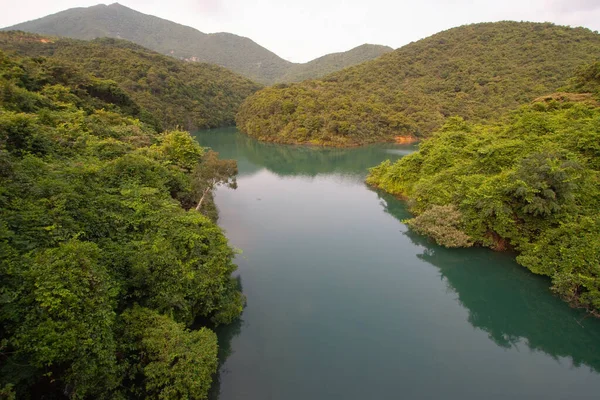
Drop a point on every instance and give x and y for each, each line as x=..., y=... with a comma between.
x=344, y=302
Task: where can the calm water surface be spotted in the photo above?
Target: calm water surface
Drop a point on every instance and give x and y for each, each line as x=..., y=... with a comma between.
x=345, y=303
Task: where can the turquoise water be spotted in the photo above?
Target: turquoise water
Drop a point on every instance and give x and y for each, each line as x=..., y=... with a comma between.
x=345, y=303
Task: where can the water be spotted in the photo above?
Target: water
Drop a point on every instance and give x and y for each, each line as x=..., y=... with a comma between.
x=345, y=303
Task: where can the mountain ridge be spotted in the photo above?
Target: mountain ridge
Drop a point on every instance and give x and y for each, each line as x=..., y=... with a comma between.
x=333, y=62
x=235, y=52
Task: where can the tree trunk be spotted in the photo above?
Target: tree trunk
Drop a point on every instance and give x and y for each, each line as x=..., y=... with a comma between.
x=202, y=199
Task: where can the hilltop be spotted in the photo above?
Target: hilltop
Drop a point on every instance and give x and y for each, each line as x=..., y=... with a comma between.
x=237, y=53
x=171, y=92
x=475, y=71
x=333, y=62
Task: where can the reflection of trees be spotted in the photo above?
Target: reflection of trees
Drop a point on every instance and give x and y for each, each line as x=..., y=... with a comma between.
x=225, y=333
x=230, y=145
x=286, y=160
x=507, y=301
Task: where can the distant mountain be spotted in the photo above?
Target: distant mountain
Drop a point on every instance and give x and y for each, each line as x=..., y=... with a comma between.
x=236, y=53
x=477, y=72
x=333, y=62
x=170, y=92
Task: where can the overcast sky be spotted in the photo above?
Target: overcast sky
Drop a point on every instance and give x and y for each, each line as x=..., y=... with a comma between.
x=302, y=30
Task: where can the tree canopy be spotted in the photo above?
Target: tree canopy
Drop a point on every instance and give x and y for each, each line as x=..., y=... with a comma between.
x=104, y=262
x=170, y=93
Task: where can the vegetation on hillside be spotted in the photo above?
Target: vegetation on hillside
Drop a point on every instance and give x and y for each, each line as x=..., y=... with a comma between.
x=531, y=184
x=476, y=71
x=330, y=63
x=237, y=53
x=104, y=262
x=170, y=93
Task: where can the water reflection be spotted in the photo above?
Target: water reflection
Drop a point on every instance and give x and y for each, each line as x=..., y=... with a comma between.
x=286, y=160
x=225, y=334
x=507, y=302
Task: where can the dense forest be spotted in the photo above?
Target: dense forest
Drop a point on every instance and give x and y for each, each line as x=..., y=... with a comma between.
x=237, y=53
x=530, y=183
x=105, y=263
x=169, y=92
x=477, y=72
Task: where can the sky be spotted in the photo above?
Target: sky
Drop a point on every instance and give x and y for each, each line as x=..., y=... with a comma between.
x=300, y=31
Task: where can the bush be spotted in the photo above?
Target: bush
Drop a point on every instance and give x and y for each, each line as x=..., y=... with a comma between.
x=442, y=224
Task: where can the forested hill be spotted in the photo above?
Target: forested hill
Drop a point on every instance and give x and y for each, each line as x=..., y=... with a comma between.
x=170, y=92
x=475, y=71
x=104, y=262
x=237, y=53
x=333, y=62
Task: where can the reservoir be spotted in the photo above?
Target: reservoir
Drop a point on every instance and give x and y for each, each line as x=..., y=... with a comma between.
x=344, y=302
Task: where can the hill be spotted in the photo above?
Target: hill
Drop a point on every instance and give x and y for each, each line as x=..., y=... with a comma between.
x=476, y=71
x=237, y=53
x=329, y=63
x=170, y=92
x=529, y=183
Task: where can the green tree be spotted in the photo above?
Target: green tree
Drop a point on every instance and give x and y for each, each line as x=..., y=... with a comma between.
x=168, y=360
x=67, y=319
x=213, y=172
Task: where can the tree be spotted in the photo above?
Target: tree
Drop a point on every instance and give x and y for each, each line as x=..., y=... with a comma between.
x=170, y=361
x=211, y=173
x=66, y=327
x=443, y=224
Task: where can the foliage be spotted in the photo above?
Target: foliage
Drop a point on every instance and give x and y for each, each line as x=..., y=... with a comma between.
x=213, y=172
x=477, y=72
x=531, y=183
x=443, y=224
x=158, y=89
x=236, y=53
x=168, y=360
x=587, y=80
x=102, y=261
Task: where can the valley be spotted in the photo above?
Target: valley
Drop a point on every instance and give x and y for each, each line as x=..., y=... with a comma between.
x=189, y=216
